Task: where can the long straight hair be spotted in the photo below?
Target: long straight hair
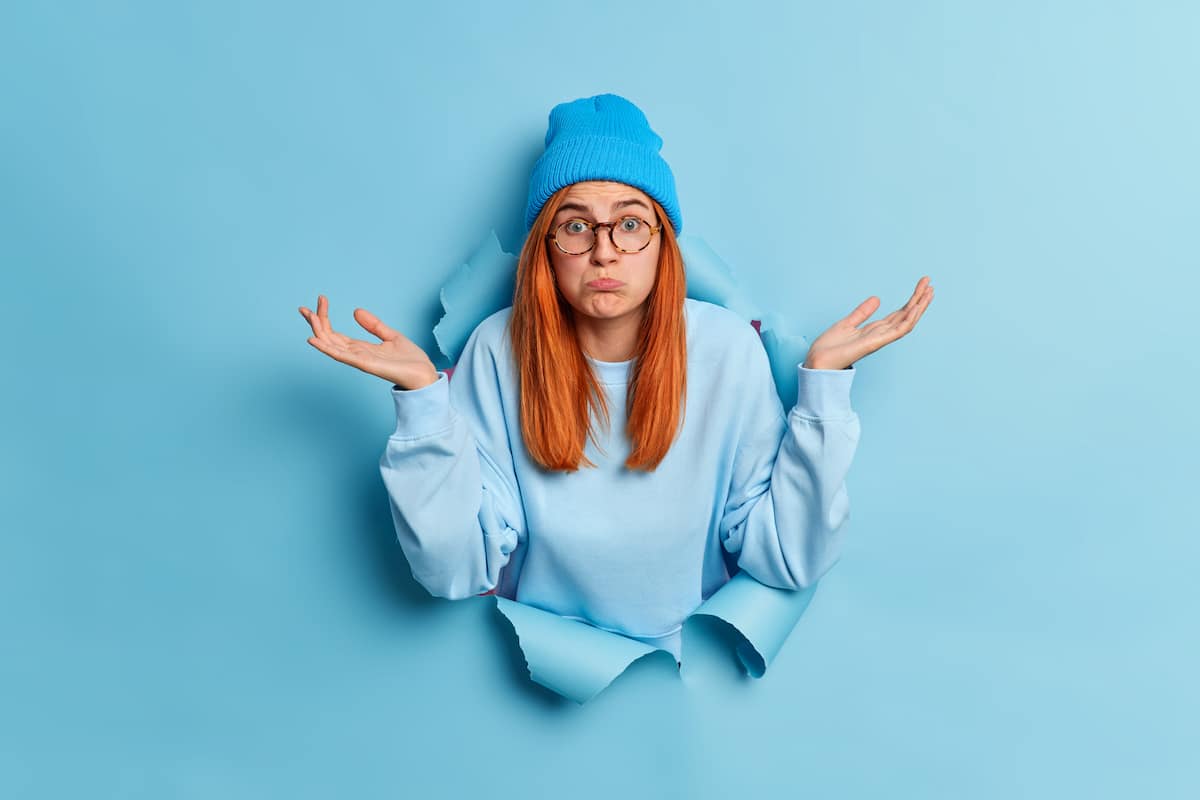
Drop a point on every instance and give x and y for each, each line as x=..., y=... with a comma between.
x=559, y=390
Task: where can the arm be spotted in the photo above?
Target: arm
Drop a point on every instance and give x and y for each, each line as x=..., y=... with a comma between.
x=787, y=503
x=450, y=479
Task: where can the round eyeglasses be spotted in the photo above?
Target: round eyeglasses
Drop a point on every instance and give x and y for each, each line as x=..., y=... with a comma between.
x=628, y=234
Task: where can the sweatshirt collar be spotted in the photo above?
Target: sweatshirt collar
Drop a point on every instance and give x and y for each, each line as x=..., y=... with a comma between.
x=611, y=372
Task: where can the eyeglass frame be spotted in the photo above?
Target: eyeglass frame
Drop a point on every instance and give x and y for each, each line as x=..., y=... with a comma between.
x=552, y=235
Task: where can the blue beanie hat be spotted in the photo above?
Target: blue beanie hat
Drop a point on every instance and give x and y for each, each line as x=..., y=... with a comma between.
x=599, y=138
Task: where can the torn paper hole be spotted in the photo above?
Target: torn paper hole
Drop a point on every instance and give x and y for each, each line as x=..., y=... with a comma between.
x=573, y=658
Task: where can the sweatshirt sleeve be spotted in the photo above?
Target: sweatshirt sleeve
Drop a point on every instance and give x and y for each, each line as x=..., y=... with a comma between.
x=450, y=479
x=787, y=505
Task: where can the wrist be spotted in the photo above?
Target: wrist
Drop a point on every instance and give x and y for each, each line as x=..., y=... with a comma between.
x=421, y=383
x=431, y=379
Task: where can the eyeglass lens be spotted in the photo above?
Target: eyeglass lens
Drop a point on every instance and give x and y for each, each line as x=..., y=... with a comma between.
x=628, y=234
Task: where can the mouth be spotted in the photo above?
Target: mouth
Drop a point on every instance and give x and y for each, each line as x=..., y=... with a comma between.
x=605, y=283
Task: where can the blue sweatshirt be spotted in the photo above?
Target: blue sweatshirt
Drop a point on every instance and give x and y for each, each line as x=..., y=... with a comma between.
x=744, y=486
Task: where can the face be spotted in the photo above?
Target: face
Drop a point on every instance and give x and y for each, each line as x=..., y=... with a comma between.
x=605, y=201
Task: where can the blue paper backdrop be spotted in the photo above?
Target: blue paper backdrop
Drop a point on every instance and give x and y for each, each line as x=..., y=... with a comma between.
x=202, y=594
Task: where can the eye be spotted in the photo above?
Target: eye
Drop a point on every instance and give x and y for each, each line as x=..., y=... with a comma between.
x=630, y=224
x=575, y=226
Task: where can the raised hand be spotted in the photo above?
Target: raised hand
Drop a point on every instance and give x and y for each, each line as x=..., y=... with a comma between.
x=845, y=342
x=395, y=359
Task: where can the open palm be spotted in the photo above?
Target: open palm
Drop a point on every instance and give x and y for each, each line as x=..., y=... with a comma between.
x=395, y=358
x=845, y=342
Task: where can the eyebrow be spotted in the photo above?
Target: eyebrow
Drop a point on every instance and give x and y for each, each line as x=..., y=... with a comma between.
x=569, y=206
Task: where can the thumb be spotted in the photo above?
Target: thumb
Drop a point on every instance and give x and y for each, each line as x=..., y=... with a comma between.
x=864, y=310
x=374, y=325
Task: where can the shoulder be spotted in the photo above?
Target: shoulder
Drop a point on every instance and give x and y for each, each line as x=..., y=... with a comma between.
x=491, y=334
x=729, y=357
x=715, y=330
x=733, y=354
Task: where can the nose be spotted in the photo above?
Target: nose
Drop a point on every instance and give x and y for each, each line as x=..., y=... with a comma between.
x=603, y=250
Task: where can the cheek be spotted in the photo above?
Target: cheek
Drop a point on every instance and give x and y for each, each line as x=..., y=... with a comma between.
x=559, y=270
x=565, y=270
x=648, y=269
x=568, y=279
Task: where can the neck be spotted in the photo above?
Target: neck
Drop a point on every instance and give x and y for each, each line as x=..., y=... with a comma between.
x=609, y=339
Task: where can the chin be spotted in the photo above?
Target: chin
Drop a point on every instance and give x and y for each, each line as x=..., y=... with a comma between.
x=608, y=308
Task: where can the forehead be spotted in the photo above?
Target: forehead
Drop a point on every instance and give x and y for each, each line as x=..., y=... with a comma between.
x=603, y=193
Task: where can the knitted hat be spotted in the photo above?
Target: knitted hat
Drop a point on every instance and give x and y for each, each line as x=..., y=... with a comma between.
x=600, y=138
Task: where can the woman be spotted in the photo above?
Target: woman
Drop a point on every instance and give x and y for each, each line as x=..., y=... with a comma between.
x=609, y=449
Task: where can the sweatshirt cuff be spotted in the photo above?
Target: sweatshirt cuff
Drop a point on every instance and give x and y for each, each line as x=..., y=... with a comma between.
x=424, y=411
x=824, y=393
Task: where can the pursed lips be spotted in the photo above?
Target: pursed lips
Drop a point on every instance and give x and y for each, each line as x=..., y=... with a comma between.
x=605, y=283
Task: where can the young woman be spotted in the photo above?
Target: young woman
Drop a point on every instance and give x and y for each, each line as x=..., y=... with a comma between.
x=609, y=449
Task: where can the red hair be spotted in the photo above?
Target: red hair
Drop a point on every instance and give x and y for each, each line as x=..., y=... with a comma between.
x=558, y=389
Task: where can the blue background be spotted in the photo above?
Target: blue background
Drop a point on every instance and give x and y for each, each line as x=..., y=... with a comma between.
x=201, y=588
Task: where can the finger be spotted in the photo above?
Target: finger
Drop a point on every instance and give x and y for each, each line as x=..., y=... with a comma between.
x=922, y=300
x=322, y=325
x=323, y=312
x=910, y=318
x=899, y=322
x=341, y=338
x=864, y=310
x=896, y=317
x=879, y=327
x=323, y=319
x=323, y=345
x=322, y=331
x=374, y=324
x=314, y=319
x=917, y=294
x=311, y=319
x=924, y=304
x=337, y=352
x=882, y=332
x=869, y=306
